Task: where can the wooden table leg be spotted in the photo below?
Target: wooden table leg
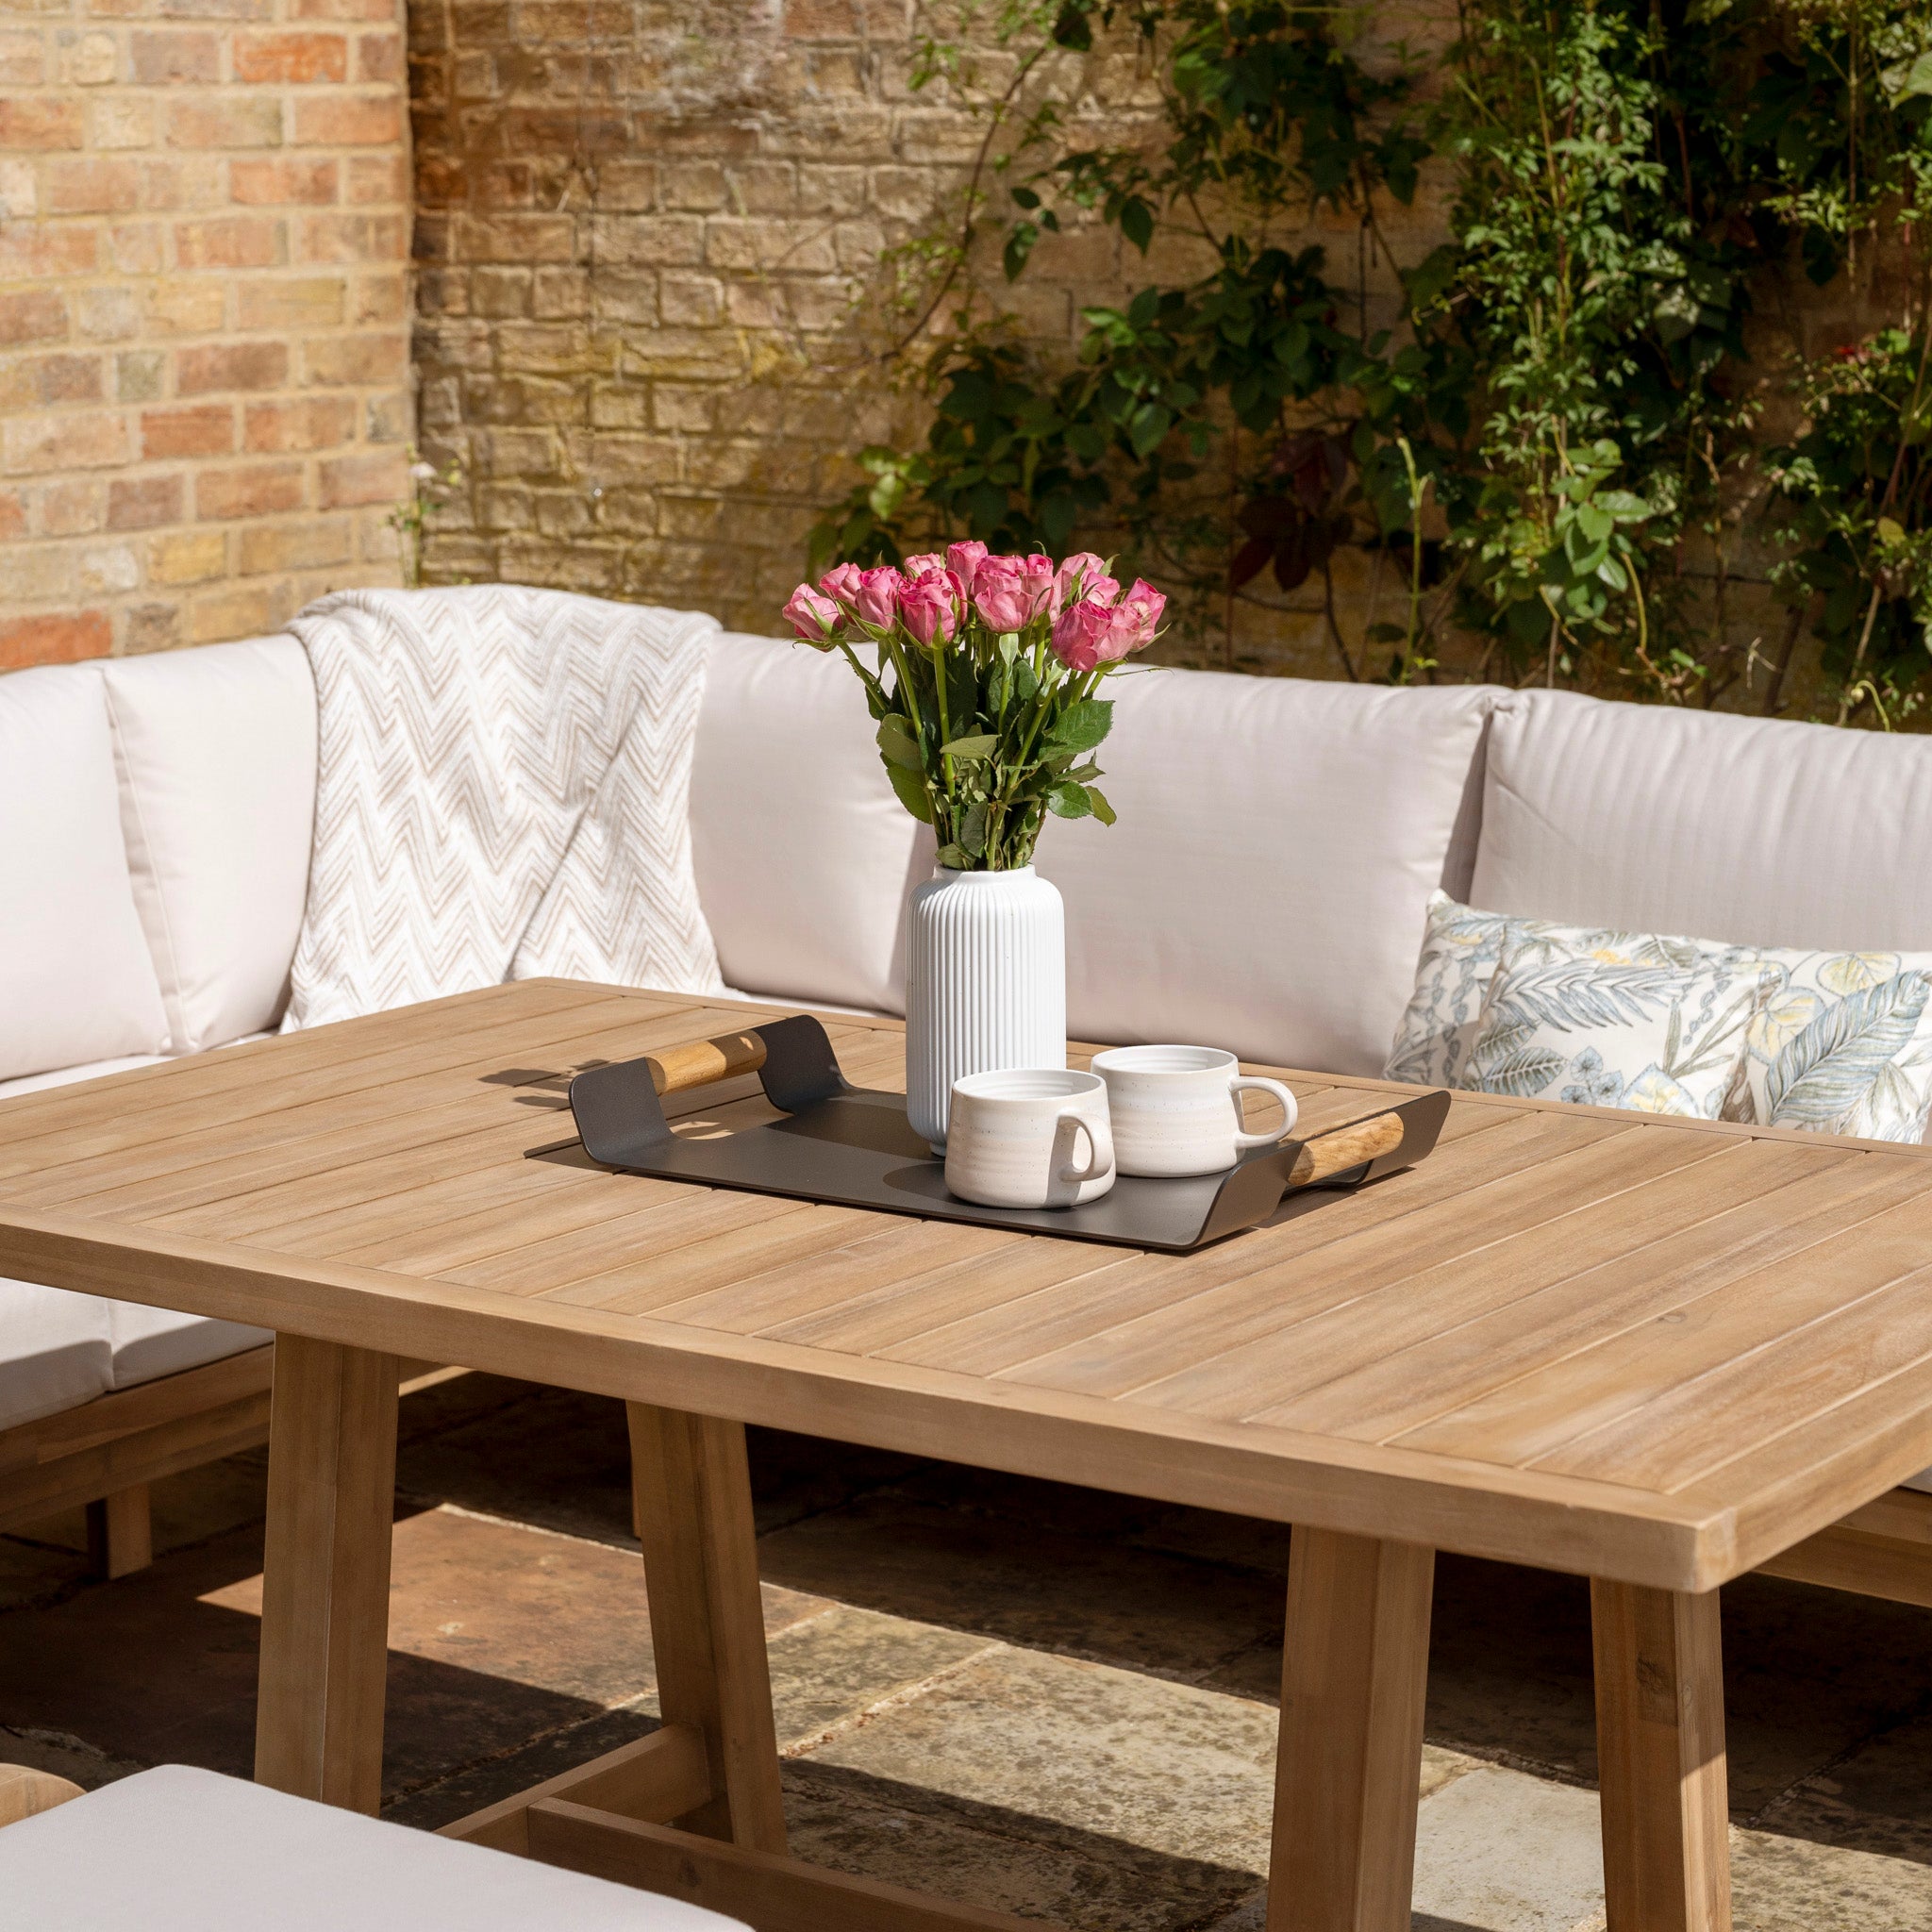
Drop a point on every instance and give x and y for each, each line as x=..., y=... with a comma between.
x=691, y=1490
x=324, y=1613
x=1354, y=1673
x=1660, y=1752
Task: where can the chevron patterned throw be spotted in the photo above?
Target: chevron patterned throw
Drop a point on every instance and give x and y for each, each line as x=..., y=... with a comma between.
x=505, y=778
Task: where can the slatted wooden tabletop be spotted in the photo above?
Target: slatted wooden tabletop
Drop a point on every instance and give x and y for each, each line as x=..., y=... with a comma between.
x=1657, y=1351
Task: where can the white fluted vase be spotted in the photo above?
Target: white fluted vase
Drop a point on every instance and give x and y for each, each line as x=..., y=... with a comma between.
x=985, y=985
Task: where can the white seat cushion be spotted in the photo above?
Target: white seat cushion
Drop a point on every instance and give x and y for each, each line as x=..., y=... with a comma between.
x=1266, y=887
x=55, y=1350
x=150, y=1343
x=1653, y=820
x=44, y=1366
x=179, y=1850
x=216, y=749
x=77, y=983
x=804, y=856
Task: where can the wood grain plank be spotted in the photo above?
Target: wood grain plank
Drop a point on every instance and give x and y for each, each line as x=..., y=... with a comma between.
x=1468, y=1364
x=1531, y=1420
x=235, y=1083
x=1199, y=1306
x=1385, y=1344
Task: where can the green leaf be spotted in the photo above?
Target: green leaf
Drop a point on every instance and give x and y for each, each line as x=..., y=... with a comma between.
x=1621, y=505
x=1069, y=801
x=980, y=746
x=954, y=858
x=1081, y=727
x=897, y=745
x=913, y=792
x=1097, y=805
x=1595, y=522
x=973, y=830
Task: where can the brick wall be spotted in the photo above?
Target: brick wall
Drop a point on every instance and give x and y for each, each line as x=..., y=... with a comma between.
x=642, y=230
x=203, y=381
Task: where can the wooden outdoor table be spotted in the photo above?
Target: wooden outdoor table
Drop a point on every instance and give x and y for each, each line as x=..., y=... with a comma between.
x=1654, y=1353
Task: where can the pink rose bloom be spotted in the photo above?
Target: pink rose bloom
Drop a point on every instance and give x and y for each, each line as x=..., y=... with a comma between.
x=841, y=584
x=875, y=601
x=930, y=606
x=1011, y=591
x=1082, y=579
x=815, y=618
x=964, y=560
x=1086, y=634
x=924, y=564
x=1138, y=613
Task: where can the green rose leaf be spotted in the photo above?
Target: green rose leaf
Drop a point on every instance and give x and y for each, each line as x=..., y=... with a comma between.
x=1081, y=727
x=912, y=791
x=980, y=746
x=1070, y=801
x=953, y=859
x=897, y=745
x=1097, y=805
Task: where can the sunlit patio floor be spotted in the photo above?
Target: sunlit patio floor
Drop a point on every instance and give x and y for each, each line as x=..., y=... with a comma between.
x=1045, y=1699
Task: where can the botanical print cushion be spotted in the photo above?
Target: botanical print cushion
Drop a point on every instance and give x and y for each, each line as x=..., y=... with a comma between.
x=1629, y=1020
x=1840, y=1044
x=1460, y=948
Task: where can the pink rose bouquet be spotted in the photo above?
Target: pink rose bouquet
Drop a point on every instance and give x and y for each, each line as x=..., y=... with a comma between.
x=984, y=687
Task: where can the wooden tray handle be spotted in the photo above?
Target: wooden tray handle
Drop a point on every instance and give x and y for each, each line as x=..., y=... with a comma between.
x=1346, y=1147
x=698, y=1063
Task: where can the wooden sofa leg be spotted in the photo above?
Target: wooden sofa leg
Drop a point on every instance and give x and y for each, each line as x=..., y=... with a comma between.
x=24, y=1792
x=120, y=1532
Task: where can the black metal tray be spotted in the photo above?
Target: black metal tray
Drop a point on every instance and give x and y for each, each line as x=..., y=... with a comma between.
x=852, y=1147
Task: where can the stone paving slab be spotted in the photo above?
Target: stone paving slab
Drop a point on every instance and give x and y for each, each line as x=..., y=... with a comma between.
x=1024, y=1695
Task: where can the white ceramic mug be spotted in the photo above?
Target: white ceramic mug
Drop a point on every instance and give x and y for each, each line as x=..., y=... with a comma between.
x=1015, y=1139
x=1175, y=1108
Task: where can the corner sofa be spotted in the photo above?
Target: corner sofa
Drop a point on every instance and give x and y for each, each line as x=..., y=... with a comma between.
x=1264, y=889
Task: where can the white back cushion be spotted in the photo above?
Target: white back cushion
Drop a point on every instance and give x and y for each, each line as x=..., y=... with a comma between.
x=1266, y=887
x=804, y=856
x=217, y=758
x=1748, y=830
x=75, y=980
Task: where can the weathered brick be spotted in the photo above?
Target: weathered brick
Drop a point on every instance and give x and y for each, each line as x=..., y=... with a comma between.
x=139, y=502
x=306, y=423
x=118, y=119
x=348, y=120
x=23, y=59
x=379, y=57
x=250, y=489
x=137, y=248
x=187, y=557
x=45, y=381
x=365, y=361
x=30, y=251
x=282, y=303
x=230, y=241
x=92, y=59
x=110, y=571
x=13, y=514
x=303, y=545
x=231, y=366
x=72, y=506
x=225, y=120
x=375, y=477
x=32, y=315
x=267, y=183
x=185, y=305
x=139, y=375
x=53, y=442
x=347, y=238
x=91, y=188
x=376, y=178
x=151, y=627
x=57, y=638
x=206, y=429
x=158, y=60
x=38, y=121
x=240, y=610
x=294, y=58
